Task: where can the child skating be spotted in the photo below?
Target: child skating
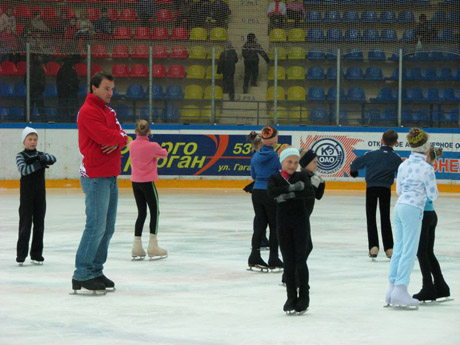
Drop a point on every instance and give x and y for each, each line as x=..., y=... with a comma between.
x=144, y=155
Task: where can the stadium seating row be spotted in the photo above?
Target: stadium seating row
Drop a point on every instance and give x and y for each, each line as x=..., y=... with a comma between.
x=162, y=33
x=159, y=71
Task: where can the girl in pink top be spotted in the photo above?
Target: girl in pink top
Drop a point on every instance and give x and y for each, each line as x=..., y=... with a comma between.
x=144, y=155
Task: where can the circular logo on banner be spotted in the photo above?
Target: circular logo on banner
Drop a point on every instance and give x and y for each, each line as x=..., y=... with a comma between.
x=331, y=155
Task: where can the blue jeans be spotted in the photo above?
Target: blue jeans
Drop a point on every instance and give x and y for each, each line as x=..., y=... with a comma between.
x=101, y=200
x=407, y=228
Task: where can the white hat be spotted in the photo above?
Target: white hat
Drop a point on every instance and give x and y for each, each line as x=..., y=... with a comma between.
x=27, y=131
x=290, y=151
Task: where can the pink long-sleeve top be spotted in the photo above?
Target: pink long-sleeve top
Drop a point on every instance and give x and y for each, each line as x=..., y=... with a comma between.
x=144, y=155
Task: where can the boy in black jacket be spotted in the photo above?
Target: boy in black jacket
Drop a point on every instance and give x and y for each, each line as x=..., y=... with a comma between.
x=31, y=164
x=381, y=166
x=293, y=194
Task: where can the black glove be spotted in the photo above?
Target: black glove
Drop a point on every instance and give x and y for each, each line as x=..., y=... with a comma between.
x=43, y=159
x=298, y=186
x=353, y=173
x=32, y=159
x=285, y=196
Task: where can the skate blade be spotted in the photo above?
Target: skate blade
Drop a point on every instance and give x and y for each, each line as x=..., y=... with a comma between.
x=403, y=307
x=111, y=290
x=85, y=292
x=138, y=258
x=258, y=268
x=155, y=258
x=444, y=300
x=264, y=248
x=276, y=270
x=437, y=301
x=301, y=312
x=38, y=263
x=290, y=312
x=20, y=264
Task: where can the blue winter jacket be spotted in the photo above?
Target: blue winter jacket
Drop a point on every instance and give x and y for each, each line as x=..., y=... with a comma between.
x=264, y=164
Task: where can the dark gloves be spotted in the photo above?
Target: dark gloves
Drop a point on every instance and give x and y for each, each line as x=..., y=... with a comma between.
x=32, y=159
x=285, y=196
x=298, y=186
x=353, y=173
x=43, y=159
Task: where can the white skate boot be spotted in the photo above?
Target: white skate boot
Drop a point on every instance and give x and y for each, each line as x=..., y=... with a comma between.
x=155, y=252
x=388, y=294
x=400, y=298
x=137, y=252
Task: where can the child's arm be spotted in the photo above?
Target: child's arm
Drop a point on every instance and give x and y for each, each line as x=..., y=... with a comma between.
x=46, y=158
x=274, y=190
x=357, y=164
x=158, y=151
x=27, y=166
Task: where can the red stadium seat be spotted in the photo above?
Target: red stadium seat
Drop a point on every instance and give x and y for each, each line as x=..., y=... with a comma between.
x=179, y=52
x=122, y=33
x=142, y=33
x=160, y=33
x=113, y=13
x=140, y=52
x=99, y=51
x=159, y=71
x=95, y=68
x=81, y=69
x=164, y=15
x=176, y=71
x=22, y=11
x=93, y=13
x=127, y=14
x=139, y=71
x=70, y=12
x=19, y=29
x=120, y=70
x=130, y=1
x=21, y=67
x=160, y=52
x=9, y=68
x=52, y=68
x=120, y=51
x=49, y=13
x=180, y=34
x=164, y=2
x=73, y=1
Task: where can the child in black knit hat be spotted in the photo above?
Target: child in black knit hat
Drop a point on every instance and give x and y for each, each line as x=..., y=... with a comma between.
x=293, y=194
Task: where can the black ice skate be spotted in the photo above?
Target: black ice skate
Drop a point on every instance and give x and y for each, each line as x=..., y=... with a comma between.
x=38, y=260
x=109, y=284
x=255, y=261
x=91, y=285
x=442, y=289
x=427, y=293
x=264, y=245
x=275, y=264
x=289, y=306
x=20, y=261
x=303, y=302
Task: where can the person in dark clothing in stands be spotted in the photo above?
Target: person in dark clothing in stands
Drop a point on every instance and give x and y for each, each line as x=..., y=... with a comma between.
x=37, y=87
x=294, y=195
x=425, y=30
x=146, y=11
x=381, y=166
x=104, y=24
x=220, y=12
x=226, y=66
x=67, y=88
x=251, y=51
x=31, y=164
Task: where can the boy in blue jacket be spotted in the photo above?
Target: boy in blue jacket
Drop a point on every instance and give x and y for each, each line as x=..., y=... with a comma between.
x=381, y=166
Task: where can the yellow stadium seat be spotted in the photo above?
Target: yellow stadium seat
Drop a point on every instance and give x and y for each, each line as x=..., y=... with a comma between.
x=296, y=35
x=298, y=113
x=198, y=34
x=296, y=53
x=209, y=73
x=195, y=72
x=281, y=53
x=296, y=73
x=271, y=94
x=193, y=92
x=296, y=93
x=281, y=113
x=197, y=52
x=206, y=112
x=278, y=35
x=190, y=112
x=218, y=34
x=218, y=95
x=218, y=50
x=281, y=73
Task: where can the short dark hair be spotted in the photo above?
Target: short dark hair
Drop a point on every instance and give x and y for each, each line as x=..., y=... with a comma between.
x=390, y=137
x=97, y=79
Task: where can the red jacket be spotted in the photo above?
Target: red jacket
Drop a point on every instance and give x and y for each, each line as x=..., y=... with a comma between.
x=98, y=126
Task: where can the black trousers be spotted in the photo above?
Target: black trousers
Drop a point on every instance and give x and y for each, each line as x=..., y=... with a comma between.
x=383, y=196
x=265, y=210
x=32, y=209
x=229, y=84
x=429, y=265
x=67, y=111
x=251, y=72
x=146, y=194
x=38, y=101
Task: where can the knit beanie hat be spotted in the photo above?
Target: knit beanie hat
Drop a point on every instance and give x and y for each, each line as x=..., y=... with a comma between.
x=27, y=131
x=418, y=140
x=269, y=135
x=289, y=151
x=307, y=158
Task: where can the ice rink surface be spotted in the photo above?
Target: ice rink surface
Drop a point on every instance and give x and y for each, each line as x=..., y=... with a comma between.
x=202, y=294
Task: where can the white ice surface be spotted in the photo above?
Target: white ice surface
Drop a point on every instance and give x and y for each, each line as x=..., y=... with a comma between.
x=202, y=293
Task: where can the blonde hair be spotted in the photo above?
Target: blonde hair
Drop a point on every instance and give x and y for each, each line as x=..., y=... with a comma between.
x=142, y=127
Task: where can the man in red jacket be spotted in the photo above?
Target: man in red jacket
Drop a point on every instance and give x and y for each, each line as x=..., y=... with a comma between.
x=100, y=140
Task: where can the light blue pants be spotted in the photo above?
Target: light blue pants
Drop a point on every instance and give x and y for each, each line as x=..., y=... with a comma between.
x=407, y=226
x=101, y=200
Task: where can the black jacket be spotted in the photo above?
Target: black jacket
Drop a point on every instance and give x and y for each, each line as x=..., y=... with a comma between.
x=252, y=50
x=227, y=60
x=67, y=81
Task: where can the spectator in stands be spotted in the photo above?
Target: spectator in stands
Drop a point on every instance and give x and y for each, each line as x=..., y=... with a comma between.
x=296, y=11
x=37, y=87
x=8, y=21
x=424, y=30
x=37, y=24
x=251, y=52
x=146, y=11
x=220, y=12
x=104, y=24
x=70, y=35
x=67, y=88
x=199, y=12
x=277, y=14
x=226, y=66
x=8, y=39
x=85, y=27
x=58, y=24
x=184, y=16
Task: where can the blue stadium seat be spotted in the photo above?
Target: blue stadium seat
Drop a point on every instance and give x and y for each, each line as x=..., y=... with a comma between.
x=453, y=17
x=421, y=116
x=456, y=74
x=351, y=17
x=356, y=94
x=82, y=90
x=415, y=95
x=447, y=94
x=414, y=73
x=452, y=115
x=389, y=115
x=446, y=35
x=374, y=73
x=334, y=35
x=174, y=92
x=371, y=116
x=395, y=74
x=332, y=94
x=3, y=114
x=406, y=115
x=135, y=91
x=331, y=54
x=439, y=17
x=50, y=90
x=385, y=95
x=369, y=16
x=316, y=93
x=406, y=17
x=353, y=35
x=331, y=73
x=51, y=113
x=354, y=73
x=315, y=35
x=376, y=54
x=404, y=94
x=316, y=54
x=157, y=92
x=387, y=17
x=418, y=56
x=124, y=113
x=145, y=113
x=170, y=114
x=318, y=114
x=354, y=54
x=395, y=55
x=432, y=94
x=388, y=35
x=313, y=17
x=371, y=35
x=429, y=73
x=16, y=113
x=421, y=2
x=315, y=73
x=5, y=89
x=438, y=114
x=19, y=89
x=332, y=17
x=435, y=56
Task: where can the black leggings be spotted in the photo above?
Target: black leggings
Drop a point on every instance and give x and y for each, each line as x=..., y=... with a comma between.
x=145, y=194
x=383, y=196
x=265, y=210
